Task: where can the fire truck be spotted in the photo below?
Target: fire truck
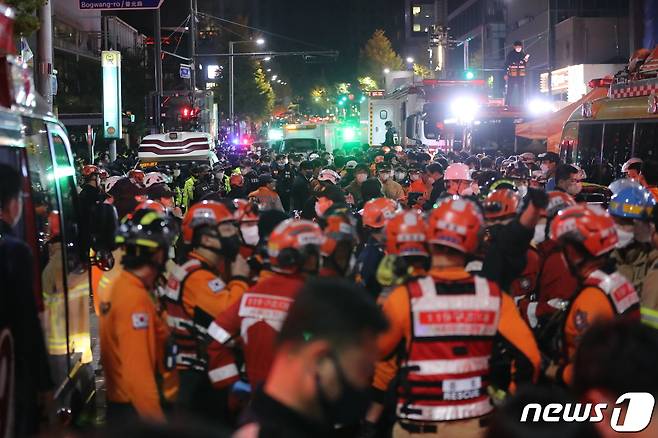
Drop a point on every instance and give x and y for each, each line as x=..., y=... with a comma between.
x=604, y=133
x=440, y=114
x=36, y=144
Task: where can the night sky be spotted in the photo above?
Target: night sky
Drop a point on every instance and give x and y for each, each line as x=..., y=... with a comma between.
x=342, y=25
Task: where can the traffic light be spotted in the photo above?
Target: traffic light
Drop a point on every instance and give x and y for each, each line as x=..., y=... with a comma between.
x=186, y=112
x=469, y=74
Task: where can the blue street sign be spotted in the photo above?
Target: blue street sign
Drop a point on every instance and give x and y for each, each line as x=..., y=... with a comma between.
x=119, y=4
x=185, y=71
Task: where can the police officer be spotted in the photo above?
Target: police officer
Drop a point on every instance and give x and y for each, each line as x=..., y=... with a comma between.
x=210, y=280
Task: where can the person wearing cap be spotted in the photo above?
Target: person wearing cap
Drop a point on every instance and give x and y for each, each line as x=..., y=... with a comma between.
x=392, y=189
x=361, y=173
x=265, y=195
x=251, y=180
x=434, y=178
x=548, y=164
x=301, y=186
x=347, y=174
x=633, y=169
x=221, y=182
x=515, y=66
x=284, y=179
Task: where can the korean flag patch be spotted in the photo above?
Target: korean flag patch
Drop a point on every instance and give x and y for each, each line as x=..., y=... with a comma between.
x=216, y=285
x=140, y=320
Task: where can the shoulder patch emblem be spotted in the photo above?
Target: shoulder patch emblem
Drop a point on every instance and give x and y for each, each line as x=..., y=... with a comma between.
x=140, y=320
x=580, y=321
x=216, y=285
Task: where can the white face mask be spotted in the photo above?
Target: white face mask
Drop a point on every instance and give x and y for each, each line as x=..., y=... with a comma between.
x=540, y=233
x=360, y=177
x=414, y=177
x=384, y=176
x=468, y=191
x=176, y=173
x=400, y=176
x=249, y=234
x=518, y=49
x=625, y=235
x=544, y=168
x=523, y=190
x=219, y=175
x=574, y=189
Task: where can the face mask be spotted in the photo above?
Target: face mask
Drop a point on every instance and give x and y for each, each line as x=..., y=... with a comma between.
x=219, y=175
x=523, y=190
x=468, y=191
x=544, y=168
x=540, y=233
x=230, y=247
x=642, y=231
x=518, y=49
x=360, y=177
x=574, y=189
x=400, y=176
x=414, y=177
x=350, y=406
x=176, y=173
x=384, y=176
x=625, y=236
x=250, y=234
x=245, y=170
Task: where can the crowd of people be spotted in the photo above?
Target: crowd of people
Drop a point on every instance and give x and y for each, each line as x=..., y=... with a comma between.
x=385, y=292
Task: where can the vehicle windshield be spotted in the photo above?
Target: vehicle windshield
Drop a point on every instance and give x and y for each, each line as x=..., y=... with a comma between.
x=300, y=145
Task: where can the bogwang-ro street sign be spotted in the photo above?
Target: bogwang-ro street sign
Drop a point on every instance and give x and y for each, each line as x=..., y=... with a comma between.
x=120, y=4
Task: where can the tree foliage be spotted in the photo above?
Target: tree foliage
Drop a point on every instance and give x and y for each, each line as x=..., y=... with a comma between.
x=253, y=93
x=26, y=19
x=366, y=83
x=422, y=71
x=378, y=54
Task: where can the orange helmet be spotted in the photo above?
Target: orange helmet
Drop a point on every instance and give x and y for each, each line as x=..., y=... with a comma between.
x=377, y=212
x=557, y=201
x=291, y=242
x=89, y=170
x=137, y=176
x=152, y=205
x=501, y=204
x=338, y=228
x=406, y=234
x=236, y=180
x=457, y=223
x=592, y=228
x=245, y=211
x=210, y=213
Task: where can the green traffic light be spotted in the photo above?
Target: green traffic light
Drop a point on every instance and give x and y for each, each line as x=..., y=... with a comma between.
x=469, y=75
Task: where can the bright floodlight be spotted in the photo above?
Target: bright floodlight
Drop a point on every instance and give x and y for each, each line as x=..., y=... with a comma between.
x=387, y=71
x=464, y=108
x=260, y=41
x=540, y=106
x=410, y=59
x=348, y=134
x=274, y=77
x=267, y=58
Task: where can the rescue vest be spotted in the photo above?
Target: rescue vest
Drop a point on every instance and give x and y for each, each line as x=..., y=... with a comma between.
x=446, y=370
x=619, y=291
x=189, y=332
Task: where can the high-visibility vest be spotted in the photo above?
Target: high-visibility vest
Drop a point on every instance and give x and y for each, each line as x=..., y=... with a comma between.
x=619, y=291
x=445, y=373
x=188, y=331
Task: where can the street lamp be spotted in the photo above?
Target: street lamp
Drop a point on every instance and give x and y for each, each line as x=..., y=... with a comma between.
x=387, y=70
x=231, y=88
x=267, y=58
x=274, y=77
x=410, y=60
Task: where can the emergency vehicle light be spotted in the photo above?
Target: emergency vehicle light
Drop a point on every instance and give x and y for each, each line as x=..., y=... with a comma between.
x=600, y=83
x=275, y=135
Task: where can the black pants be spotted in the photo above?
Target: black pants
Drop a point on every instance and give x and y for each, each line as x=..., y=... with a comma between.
x=515, y=95
x=120, y=414
x=197, y=397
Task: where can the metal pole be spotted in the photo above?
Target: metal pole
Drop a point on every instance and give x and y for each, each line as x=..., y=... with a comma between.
x=231, y=109
x=113, y=150
x=550, y=50
x=466, y=54
x=157, y=38
x=193, y=46
x=45, y=53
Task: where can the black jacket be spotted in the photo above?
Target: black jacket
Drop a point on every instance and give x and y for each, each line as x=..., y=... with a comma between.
x=438, y=187
x=88, y=199
x=301, y=191
x=18, y=313
x=515, y=57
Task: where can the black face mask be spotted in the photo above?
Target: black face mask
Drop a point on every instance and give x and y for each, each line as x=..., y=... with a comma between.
x=230, y=247
x=351, y=405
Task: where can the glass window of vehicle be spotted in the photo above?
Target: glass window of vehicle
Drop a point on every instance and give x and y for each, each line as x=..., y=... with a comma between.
x=588, y=149
x=646, y=141
x=617, y=147
x=300, y=145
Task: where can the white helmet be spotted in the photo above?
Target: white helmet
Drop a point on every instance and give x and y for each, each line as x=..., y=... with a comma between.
x=329, y=175
x=313, y=156
x=458, y=171
x=626, y=165
x=153, y=178
x=110, y=181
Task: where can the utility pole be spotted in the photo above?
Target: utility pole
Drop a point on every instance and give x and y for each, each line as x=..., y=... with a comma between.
x=193, y=48
x=157, y=39
x=551, y=49
x=231, y=99
x=45, y=53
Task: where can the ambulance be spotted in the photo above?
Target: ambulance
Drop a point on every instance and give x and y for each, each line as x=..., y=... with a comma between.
x=179, y=147
x=36, y=144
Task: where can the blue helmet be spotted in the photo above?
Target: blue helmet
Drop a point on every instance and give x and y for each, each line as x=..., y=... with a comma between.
x=631, y=200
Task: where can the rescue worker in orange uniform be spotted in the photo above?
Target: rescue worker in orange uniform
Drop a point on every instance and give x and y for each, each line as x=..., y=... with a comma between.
x=447, y=322
x=588, y=236
x=266, y=195
x=133, y=331
x=256, y=319
x=212, y=278
x=340, y=241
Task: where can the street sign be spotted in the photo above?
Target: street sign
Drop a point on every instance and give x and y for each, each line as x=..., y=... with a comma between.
x=107, y=5
x=111, y=64
x=185, y=71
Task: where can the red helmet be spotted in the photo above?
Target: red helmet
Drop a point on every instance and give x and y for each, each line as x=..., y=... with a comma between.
x=377, y=212
x=89, y=170
x=557, y=201
x=137, y=176
x=593, y=228
x=291, y=242
x=338, y=228
x=406, y=234
x=501, y=204
x=245, y=211
x=236, y=180
x=457, y=223
x=152, y=205
x=103, y=173
x=202, y=213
